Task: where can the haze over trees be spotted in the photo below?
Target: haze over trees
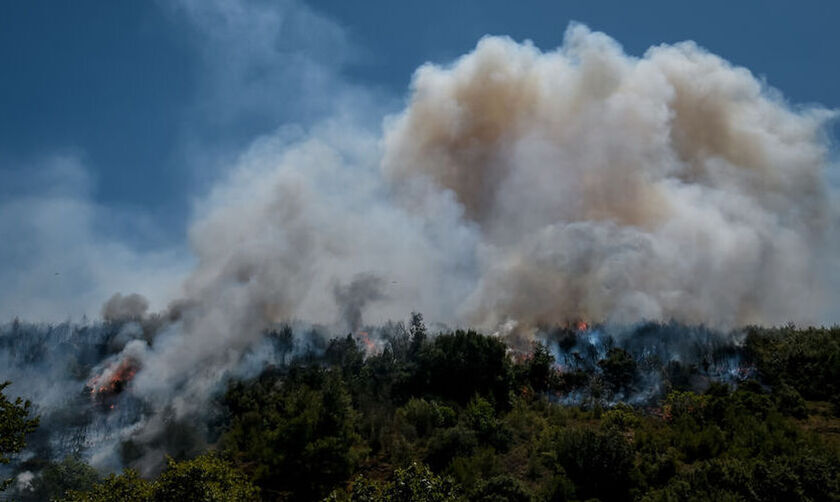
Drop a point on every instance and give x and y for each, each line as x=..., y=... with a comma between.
x=461, y=416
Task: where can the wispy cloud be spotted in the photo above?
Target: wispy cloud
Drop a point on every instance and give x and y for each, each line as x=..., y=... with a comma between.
x=260, y=66
x=61, y=255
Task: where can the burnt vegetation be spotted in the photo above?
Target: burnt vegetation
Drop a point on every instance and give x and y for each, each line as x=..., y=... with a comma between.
x=665, y=412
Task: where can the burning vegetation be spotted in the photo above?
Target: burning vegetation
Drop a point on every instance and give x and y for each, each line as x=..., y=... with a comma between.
x=481, y=207
x=590, y=411
x=112, y=380
x=364, y=338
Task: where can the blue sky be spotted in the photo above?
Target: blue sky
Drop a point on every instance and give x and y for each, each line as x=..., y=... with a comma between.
x=121, y=114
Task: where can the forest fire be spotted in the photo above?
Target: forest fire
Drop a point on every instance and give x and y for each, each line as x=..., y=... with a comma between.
x=365, y=339
x=113, y=378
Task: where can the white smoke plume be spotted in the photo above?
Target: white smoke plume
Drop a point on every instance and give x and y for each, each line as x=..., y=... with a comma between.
x=517, y=185
x=672, y=186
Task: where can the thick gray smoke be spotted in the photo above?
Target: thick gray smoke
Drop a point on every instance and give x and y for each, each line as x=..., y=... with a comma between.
x=516, y=188
x=352, y=298
x=613, y=188
x=536, y=187
x=125, y=307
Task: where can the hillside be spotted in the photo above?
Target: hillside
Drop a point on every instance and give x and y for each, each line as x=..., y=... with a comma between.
x=649, y=412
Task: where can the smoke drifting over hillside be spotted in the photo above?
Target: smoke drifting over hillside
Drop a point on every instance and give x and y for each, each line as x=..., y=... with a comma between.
x=517, y=188
x=540, y=187
x=609, y=187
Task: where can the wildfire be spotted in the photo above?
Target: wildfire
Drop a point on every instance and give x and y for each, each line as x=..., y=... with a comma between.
x=113, y=378
x=582, y=326
x=365, y=338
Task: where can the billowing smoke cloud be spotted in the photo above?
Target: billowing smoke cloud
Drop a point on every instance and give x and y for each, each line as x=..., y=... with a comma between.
x=614, y=188
x=539, y=187
x=125, y=307
x=517, y=186
x=353, y=297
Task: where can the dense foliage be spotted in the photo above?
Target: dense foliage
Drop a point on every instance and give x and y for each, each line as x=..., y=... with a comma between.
x=459, y=416
x=204, y=479
x=16, y=421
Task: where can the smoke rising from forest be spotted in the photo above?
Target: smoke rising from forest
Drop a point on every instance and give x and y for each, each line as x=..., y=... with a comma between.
x=517, y=189
x=609, y=187
x=535, y=187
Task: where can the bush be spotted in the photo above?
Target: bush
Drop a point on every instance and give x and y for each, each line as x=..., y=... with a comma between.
x=299, y=438
x=55, y=480
x=619, y=369
x=126, y=487
x=426, y=416
x=500, y=489
x=204, y=479
x=460, y=365
x=15, y=424
x=207, y=478
x=600, y=463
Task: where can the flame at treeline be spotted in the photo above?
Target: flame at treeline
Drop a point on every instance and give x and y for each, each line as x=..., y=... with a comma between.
x=80, y=371
x=113, y=378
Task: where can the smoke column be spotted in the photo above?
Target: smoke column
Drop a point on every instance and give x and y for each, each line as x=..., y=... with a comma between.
x=674, y=186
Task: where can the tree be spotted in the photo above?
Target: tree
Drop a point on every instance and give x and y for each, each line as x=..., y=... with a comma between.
x=346, y=354
x=426, y=416
x=297, y=439
x=15, y=424
x=460, y=365
x=283, y=340
x=599, y=462
x=207, y=478
x=58, y=478
x=417, y=331
x=419, y=484
x=415, y=483
x=619, y=369
x=789, y=401
x=503, y=488
x=539, y=368
x=126, y=487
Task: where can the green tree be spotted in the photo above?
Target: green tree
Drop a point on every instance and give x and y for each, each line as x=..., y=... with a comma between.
x=601, y=463
x=15, y=423
x=56, y=479
x=539, y=368
x=789, y=401
x=501, y=488
x=808, y=359
x=296, y=439
x=426, y=416
x=207, y=478
x=418, y=483
x=125, y=487
x=415, y=483
x=460, y=365
x=619, y=369
x=417, y=331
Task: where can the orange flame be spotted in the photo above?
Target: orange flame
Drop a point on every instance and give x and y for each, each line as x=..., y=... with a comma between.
x=582, y=326
x=114, y=378
x=369, y=345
